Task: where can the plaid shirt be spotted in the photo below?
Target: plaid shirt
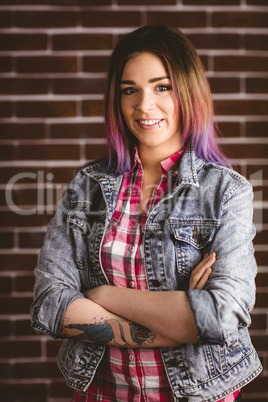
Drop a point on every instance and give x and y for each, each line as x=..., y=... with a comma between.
x=131, y=374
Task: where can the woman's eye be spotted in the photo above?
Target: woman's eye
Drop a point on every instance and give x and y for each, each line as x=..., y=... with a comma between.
x=128, y=91
x=163, y=88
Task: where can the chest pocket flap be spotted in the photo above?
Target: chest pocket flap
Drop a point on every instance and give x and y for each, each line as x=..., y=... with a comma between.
x=196, y=233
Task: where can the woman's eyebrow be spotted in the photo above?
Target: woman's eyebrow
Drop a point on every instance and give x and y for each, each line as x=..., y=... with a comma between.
x=129, y=82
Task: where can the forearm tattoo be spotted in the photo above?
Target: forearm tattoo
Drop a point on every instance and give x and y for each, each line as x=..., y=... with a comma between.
x=122, y=333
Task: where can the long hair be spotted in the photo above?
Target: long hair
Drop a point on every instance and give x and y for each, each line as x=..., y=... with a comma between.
x=192, y=95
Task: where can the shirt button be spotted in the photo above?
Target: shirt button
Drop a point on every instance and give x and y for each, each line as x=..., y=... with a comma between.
x=131, y=358
x=131, y=284
x=131, y=248
x=157, y=192
x=156, y=283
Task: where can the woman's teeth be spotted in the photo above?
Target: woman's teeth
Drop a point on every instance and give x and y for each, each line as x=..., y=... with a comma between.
x=149, y=122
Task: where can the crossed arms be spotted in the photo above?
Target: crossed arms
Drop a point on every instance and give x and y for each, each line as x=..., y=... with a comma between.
x=134, y=318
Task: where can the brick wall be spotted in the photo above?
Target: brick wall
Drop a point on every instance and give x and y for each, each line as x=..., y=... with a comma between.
x=53, y=61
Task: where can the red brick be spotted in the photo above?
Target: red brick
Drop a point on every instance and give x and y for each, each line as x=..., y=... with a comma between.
x=6, y=285
x=53, y=347
x=30, y=197
x=264, y=219
x=180, y=19
x=5, y=19
x=212, y=2
x=262, y=278
x=15, y=349
x=40, y=152
x=47, y=64
x=6, y=240
x=16, y=131
x=263, y=190
x=257, y=85
x=82, y=42
x=257, y=2
x=5, y=64
x=79, y=130
x=256, y=42
x=260, y=342
x=23, y=42
x=25, y=175
x=229, y=129
x=95, y=151
x=35, y=370
x=46, y=109
x=146, y=2
x=224, y=85
x=24, y=283
x=240, y=19
x=253, y=169
x=15, y=305
x=110, y=18
x=204, y=60
x=4, y=371
x=261, y=238
x=215, y=41
x=241, y=107
x=31, y=239
x=262, y=300
x=23, y=328
x=62, y=174
x=31, y=392
x=93, y=108
x=41, y=19
x=5, y=326
x=241, y=63
x=248, y=150
x=259, y=321
x=96, y=64
x=15, y=219
x=5, y=109
x=18, y=262
x=19, y=86
x=78, y=85
x=60, y=390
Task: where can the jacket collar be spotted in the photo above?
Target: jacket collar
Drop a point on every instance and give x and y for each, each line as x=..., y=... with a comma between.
x=190, y=164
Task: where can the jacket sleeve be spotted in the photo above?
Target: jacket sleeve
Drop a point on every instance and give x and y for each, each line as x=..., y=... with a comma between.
x=57, y=281
x=229, y=295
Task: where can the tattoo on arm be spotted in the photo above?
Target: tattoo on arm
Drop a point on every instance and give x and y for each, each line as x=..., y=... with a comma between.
x=123, y=333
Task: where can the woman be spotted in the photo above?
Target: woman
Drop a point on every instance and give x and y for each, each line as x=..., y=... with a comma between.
x=148, y=267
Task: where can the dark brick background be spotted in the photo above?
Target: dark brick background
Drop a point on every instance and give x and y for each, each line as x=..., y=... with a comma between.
x=53, y=62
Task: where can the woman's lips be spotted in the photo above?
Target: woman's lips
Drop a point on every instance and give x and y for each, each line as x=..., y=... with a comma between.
x=149, y=124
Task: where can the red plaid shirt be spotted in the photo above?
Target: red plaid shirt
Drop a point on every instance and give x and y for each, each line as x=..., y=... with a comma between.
x=131, y=374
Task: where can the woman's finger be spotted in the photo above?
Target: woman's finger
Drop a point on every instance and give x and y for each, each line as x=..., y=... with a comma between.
x=199, y=271
x=204, y=278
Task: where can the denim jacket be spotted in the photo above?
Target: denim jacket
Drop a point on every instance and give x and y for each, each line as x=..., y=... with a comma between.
x=208, y=209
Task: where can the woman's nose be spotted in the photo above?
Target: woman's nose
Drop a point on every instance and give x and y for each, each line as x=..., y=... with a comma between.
x=145, y=102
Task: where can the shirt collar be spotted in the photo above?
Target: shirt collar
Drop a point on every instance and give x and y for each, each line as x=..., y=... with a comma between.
x=168, y=164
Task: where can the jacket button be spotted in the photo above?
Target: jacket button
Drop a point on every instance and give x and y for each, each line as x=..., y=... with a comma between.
x=184, y=399
x=152, y=235
x=174, y=363
x=156, y=283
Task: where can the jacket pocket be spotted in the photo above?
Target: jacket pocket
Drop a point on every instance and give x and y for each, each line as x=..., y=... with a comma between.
x=79, y=229
x=192, y=240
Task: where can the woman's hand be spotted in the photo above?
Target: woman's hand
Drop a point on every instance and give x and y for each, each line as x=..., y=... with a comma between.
x=201, y=273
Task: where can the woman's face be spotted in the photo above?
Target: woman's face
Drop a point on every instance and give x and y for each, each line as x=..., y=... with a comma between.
x=147, y=104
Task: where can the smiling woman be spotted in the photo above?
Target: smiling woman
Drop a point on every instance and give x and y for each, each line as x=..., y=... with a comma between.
x=148, y=267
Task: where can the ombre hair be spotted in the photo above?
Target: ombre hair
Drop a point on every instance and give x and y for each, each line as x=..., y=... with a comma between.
x=192, y=95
